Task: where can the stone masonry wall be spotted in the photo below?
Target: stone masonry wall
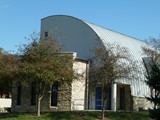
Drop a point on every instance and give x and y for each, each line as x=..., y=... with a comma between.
x=64, y=97
x=79, y=87
x=66, y=94
x=26, y=101
x=132, y=102
x=141, y=103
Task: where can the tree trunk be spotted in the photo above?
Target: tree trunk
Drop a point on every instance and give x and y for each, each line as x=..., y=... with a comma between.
x=40, y=93
x=103, y=102
x=102, y=114
x=39, y=105
x=155, y=96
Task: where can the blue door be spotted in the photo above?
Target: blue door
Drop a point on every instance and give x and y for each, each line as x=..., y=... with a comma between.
x=98, y=100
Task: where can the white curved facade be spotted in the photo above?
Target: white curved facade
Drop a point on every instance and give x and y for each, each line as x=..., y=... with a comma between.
x=79, y=36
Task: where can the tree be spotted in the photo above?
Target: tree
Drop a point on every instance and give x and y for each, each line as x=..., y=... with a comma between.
x=153, y=80
x=110, y=64
x=153, y=75
x=1, y=50
x=153, y=49
x=43, y=63
x=8, y=65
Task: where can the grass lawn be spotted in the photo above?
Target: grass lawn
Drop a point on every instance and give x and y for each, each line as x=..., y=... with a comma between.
x=75, y=115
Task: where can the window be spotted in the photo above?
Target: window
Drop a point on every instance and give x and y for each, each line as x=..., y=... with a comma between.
x=33, y=94
x=108, y=107
x=98, y=100
x=54, y=94
x=19, y=93
x=46, y=34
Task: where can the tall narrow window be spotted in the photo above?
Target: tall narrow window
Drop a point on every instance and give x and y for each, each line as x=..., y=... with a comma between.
x=54, y=94
x=46, y=34
x=19, y=93
x=33, y=94
x=98, y=100
x=108, y=107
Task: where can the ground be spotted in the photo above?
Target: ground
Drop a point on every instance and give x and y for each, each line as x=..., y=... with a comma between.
x=78, y=115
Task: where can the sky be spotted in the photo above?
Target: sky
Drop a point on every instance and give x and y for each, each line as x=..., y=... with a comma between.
x=20, y=18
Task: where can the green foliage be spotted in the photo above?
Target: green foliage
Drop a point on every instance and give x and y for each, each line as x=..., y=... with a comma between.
x=153, y=80
x=8, y=68
x=43, y=64
x=76, y=115
x=153, y=76
x=155, y=113
x=40, y=62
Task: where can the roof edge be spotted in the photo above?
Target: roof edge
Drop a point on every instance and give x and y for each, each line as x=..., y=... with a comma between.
x=87, y=23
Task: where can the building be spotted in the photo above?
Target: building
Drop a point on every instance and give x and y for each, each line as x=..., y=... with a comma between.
x=80, y=36
x=64, y=97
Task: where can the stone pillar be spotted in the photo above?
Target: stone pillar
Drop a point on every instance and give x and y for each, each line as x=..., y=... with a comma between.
x=114, y=97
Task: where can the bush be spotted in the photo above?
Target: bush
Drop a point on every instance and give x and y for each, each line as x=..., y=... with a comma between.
x=155, y=113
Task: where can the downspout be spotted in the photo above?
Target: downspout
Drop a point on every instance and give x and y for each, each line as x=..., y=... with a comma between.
x=87, y=86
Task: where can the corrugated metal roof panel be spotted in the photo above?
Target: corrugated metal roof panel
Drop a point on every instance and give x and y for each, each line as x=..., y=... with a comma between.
x=108, y=36
x=138, y=87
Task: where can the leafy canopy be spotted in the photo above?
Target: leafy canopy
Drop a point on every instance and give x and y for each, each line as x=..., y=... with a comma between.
x=42, y=61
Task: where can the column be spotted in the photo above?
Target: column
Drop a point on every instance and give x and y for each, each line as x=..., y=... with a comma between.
x=114, y=97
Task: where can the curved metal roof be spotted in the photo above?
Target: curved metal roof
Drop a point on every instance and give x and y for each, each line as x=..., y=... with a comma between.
x=108, y=36
x=134, y=45
x=73, y=27
x=139, y=88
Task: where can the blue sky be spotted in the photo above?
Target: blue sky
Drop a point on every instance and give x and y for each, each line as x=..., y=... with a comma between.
x=20, y=18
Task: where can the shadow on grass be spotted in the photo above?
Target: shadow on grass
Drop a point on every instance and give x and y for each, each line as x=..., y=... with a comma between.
x=8, y=115
x=18, y=116
x=76, y=115
x=59, y=115
x=127, y=115
x=72, y=115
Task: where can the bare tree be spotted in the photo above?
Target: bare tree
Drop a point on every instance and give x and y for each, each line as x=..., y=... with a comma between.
x=153, y=49
x=111, y=63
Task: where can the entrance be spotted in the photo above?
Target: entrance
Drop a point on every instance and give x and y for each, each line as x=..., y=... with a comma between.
x=122, y=98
